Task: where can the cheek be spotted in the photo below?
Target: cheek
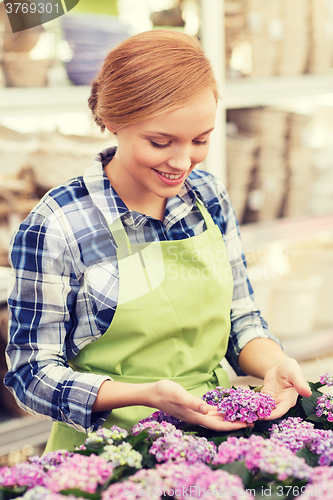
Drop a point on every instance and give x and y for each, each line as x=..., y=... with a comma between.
x=200, y=155
x=149, y=157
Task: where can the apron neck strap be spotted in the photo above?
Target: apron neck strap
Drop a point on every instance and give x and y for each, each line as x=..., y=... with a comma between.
x=205, y=214
x=120, y=236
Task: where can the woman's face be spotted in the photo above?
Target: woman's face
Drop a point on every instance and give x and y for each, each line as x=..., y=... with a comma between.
x=155, y=156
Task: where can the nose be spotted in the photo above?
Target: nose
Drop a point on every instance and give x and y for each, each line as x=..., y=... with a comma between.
x=180, y=159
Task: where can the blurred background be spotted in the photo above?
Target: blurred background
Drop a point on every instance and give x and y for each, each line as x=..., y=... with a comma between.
x=273, y=148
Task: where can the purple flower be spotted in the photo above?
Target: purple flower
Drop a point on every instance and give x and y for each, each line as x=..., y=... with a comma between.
x=293, y=432
x=51, y=459
x=322, y=445
x=155, y=429
x=81, y=472
x=326, y=379
x=176, y=446
x=180, y=480
x=242, y=404
x=263, y=454
x=321, y=474
x=325, y=407
x=160, y=416
x=297, y=434
x=24, y=474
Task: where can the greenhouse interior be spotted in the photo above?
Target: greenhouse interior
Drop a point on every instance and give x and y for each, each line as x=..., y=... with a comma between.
x=272, y=148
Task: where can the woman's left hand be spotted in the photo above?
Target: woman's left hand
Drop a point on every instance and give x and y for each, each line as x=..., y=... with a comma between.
x=284, y=383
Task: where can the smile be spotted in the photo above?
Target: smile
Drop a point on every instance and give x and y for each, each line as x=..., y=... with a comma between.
x=170, y=176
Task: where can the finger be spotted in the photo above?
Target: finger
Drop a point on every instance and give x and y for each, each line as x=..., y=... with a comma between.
x=196, y=404
x=219, y=424
x=302, y=387
x=280, y=410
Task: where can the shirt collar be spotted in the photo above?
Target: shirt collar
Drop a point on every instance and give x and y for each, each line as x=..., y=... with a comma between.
x=112, y=206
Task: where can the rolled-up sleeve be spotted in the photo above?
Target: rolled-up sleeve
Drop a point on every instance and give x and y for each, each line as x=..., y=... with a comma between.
x=42, y=302
x=246, y=321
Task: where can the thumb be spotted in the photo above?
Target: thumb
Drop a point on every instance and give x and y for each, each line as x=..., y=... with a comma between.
x=301, y=386
x=199, y=405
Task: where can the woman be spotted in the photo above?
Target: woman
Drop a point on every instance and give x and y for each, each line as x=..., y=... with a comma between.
x=130, y=283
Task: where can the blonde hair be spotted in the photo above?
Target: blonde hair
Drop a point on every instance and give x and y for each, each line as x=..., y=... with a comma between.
x=148, y=74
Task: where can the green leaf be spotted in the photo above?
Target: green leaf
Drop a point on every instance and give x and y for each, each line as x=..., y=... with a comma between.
x=314, y=418
x=238, y=469
x=116, y=476
x=310, y=458
x=78, y=493
x=8, y=493
x=258, y=389
x=139, y=438
x=314, y=386
x=309, y=404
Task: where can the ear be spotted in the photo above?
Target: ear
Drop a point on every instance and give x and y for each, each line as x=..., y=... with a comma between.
x=111, y=128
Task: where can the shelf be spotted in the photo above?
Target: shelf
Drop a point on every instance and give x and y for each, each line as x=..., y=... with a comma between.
x=259, y=235
x=27, y=100
x=252, y=92
x=17, y=432
x=237, y=93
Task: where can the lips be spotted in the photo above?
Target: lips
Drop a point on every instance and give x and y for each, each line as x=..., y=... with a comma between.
x=170, y=179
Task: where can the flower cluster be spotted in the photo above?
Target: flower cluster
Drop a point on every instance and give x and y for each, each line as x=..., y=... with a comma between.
x=81, y=472
x=326, y=379
x=123, y=454
x=177, y=447
x=293, y=432
x=296, y=434
x=51, y=459
x=322, y=445
x=321, y=474
x=160, y=416
x=155, y=429
x=179, y=480
x=22, y=475
x=264, y=455
x=325, y=406
x=104, y=436
x=243, y=404
x=171, y=462
x=42, y=493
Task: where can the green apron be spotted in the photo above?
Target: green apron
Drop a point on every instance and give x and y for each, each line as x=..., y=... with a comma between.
x=172, y=321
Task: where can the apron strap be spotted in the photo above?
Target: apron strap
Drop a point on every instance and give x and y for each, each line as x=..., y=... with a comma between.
x=205, y=214
x=121, y=238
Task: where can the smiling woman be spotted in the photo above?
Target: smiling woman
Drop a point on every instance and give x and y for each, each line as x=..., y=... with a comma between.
x=111, y=317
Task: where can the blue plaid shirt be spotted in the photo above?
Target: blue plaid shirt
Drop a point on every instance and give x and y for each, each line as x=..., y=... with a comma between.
x=65, y=285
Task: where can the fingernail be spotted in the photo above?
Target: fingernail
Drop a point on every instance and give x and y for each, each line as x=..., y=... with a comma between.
x=203, y=409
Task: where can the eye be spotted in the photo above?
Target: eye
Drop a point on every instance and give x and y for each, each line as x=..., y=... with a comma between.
x=201, y=143
x=157, y=145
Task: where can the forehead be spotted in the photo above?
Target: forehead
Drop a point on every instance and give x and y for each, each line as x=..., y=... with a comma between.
x=195, y=118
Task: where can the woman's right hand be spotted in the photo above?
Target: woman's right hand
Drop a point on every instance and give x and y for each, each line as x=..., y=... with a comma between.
x=172, y=398
x=167, y=396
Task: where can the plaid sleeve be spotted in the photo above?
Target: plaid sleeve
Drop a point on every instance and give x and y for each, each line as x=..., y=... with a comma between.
x=42, y=301
x=246, y=321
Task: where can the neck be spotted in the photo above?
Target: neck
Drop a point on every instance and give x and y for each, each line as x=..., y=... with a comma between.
x=151, y=205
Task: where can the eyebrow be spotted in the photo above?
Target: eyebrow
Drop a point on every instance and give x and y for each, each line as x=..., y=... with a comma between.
x=171, y=135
